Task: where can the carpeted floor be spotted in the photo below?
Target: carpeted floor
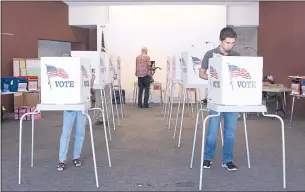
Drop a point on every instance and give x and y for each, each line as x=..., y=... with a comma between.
x=146, y=158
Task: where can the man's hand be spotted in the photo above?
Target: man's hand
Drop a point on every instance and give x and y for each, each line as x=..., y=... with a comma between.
x=203, y=74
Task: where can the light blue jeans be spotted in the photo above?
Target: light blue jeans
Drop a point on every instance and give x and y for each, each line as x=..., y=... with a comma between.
x=230, y=121
x=68, y=121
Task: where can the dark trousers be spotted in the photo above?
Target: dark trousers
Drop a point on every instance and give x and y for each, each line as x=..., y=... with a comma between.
x=144, y=84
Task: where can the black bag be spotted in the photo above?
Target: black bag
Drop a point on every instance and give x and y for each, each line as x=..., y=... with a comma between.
x=116, y=96
x=2, y=113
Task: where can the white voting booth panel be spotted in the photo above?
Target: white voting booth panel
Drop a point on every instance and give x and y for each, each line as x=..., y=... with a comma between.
x=176, y=68
x=65, y=80
x=116, y=61
x=191, y=63
x=114, y=67
x=169, y=63
x=235, y=80
x=95, y=62
x=106, y=67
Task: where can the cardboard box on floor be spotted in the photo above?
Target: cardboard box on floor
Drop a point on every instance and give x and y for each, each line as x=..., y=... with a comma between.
x=26, y=99
x=18, y=100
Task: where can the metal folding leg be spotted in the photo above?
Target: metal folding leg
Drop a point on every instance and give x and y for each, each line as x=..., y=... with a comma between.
x=121, y=101
x=178, y=110
x=109, y=102
x=182, y=116
x=266, y=115
x=105, y=132
x=195, y=135
x=135, y=93
x=116, y=103
x=105, y=108
x=32, y=147
x=173, y=88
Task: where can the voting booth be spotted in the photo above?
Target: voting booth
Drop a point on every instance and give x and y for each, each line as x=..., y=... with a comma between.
x=113, y=68
x=95, y=63
x=169, y=63
x=65, y=80
x=106, y=68
x=235, y=80
x=116, y=61
x=190, y=64
x=176, y=68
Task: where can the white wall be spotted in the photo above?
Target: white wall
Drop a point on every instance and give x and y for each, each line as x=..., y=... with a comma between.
x=123, y=37
x=243, y=15
x=164, y=30
x=93, y=13
x=88, y=15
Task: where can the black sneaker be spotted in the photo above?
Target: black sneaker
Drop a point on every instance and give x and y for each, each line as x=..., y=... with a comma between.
x=77, y=163
x=60, y=166
x=207, y=164
x=99, y=122
x=229, y=166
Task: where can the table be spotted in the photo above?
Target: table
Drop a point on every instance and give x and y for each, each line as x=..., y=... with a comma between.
x=10, y=93
x=292, y=106
x=241, y=109
x=48, y=107
x=282, y=90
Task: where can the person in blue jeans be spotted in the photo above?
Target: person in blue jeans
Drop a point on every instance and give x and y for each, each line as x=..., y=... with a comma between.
x=69, y=117
x=227, y=40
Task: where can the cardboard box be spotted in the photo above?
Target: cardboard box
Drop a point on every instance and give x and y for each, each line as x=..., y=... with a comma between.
x=31, y=99
x=26, y=99
x=191, y=63
x=18, y=100
x=65, y=80
x=235, y=80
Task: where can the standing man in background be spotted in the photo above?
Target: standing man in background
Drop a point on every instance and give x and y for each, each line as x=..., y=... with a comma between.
x=227, y=40
x=143, y=72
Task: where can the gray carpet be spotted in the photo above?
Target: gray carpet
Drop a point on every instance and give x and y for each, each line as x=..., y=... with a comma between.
x=146, y=158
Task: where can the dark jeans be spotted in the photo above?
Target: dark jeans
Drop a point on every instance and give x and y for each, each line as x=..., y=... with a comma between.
x=144, y=84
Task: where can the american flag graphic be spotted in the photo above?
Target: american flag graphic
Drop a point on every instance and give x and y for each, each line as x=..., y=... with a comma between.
x=236, y=71
x=84, y=72
x=56, y=72
x=213, y=72
x=196, y=60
